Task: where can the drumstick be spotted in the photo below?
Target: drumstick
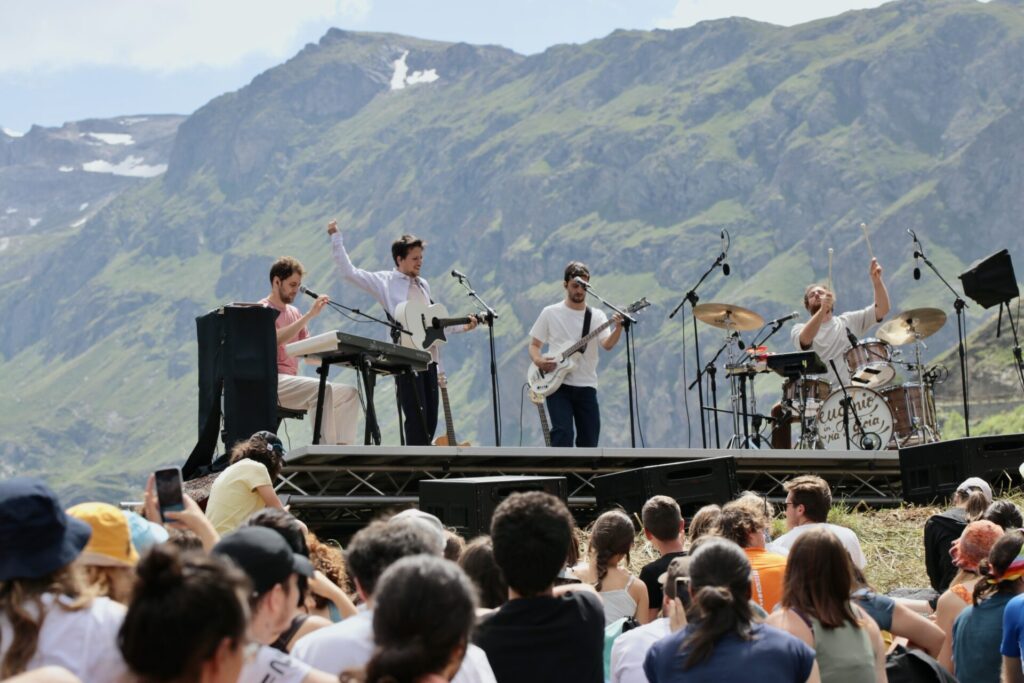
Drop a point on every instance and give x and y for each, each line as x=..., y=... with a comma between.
x=830, y=269
x=864, y=227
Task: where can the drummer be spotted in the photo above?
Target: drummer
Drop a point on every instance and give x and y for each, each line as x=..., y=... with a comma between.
x=826, y=334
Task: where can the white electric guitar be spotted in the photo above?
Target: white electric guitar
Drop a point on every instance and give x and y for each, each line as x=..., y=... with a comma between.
x=546, y=383
x=426, y=324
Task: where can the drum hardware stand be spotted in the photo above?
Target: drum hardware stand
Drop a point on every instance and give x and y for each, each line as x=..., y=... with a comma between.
x=869, y=441
x=808, y=440
x=692, y=297
x=1019, y=364
x=923, y=428
x=712, y=371
x=959, y=305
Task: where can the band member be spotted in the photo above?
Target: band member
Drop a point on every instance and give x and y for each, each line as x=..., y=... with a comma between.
x=560, y=326
x=829, y=335
x=390, y=288
x=341, y=415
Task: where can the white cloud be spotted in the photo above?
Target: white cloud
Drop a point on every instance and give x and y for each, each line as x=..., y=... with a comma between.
x=132, y=166
x=66, y=169
x=158, y=35
x=786, y=13
x=33, y=222
x=112, y=138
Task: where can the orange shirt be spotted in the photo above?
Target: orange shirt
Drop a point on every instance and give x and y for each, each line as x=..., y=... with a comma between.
x=768, y=570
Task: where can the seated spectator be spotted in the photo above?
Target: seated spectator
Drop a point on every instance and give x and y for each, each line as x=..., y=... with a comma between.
x=745, y=526
x=611, y=539
x=109, y=559
x=665, y=529
x=47, y=616
x=722, y=642
x=1005, y=514
x=273, y=570
x=970, y=500
x=1013, y=623
x=46, y=674
x=422, y=621
x=328, y=597
x=973, y=546
x=350, y=644
x=289, y=528
x=453, y=545
x=704, y=522
x=187, y=619
x=978, y=631
x=808, y=500
x=247, y=485
x=540, y=636
x=630, y=649
x=816, y=608
x=478, y=562
x=897, y=617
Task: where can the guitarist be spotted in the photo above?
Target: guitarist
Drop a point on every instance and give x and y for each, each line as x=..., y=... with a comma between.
x=390, y=288
x=559, y=326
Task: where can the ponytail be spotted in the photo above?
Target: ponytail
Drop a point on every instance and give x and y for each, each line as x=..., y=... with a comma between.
x=720, y=579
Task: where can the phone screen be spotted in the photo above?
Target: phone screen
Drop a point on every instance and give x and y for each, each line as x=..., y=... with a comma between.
x=683, y=591
x=168, y=491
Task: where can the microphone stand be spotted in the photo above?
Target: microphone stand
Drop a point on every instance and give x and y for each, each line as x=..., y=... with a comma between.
x=627, y=320
x=848, y=408
x=692, y=297
x=490, y=316
x=712, y=371
x=959, y=304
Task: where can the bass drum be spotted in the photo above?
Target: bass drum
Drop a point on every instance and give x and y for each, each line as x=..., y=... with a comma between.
x=874, y=415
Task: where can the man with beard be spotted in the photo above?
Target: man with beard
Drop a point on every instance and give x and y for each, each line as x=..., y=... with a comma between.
x=342, y=413
x=560, y=326
x=829, y=335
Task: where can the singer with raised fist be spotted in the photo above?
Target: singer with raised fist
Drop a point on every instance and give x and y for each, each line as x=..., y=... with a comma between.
x=560, y=326
x=831, y=336
x=342, y=414
x=391, y=288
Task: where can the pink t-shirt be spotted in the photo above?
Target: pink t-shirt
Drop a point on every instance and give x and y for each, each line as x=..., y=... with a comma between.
x=286, y=365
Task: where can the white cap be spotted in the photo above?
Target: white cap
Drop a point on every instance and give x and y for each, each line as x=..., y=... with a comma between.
x=428, y=522
x=976, y=483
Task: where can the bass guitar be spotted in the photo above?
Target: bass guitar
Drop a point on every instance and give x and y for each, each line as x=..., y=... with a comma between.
x=546, y=383
x=427, y=324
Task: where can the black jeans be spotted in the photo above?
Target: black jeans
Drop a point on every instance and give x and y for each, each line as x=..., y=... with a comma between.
x=423, y=384
x=569, y=405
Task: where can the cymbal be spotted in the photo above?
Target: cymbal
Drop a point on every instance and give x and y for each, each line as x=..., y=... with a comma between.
x=917, y=323
x=728, y=317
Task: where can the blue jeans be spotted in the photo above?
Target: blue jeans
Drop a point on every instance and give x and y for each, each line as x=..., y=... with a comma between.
x=569, y=405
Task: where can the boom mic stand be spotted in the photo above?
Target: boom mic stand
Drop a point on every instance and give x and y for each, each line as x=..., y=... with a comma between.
x=490, y=316
x=869, y=441
x=692, y=297
x=627, y=322
x=959, y=305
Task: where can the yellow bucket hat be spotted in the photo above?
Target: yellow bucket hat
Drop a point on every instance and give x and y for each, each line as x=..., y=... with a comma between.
x=111, y=542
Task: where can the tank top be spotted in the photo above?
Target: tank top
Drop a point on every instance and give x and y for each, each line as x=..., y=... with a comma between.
x=618, y=603
x=844, y=654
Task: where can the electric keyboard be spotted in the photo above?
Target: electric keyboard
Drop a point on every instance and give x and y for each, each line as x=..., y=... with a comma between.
x=347, y=349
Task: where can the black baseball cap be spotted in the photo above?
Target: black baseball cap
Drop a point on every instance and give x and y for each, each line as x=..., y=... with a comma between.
x=264, y=555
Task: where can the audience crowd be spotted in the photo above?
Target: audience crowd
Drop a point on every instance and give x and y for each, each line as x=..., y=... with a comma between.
x=243, y=592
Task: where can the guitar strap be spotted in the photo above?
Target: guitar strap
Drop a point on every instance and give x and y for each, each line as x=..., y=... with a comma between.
x=586, y=327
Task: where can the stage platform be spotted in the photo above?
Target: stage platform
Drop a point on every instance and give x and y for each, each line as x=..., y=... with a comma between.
x=340, y=485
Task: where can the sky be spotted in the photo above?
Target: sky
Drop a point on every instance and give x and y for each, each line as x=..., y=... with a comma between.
x=67, y=60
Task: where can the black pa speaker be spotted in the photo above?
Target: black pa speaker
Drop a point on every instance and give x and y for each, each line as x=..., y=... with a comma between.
x=468, y=504
x=693, y=484
x=933, y=471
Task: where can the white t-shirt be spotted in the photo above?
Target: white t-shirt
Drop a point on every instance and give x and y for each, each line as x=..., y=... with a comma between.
x=831, y=342
x=560, y=327
x=273, y=666
x=783, y=543
x=84, y=642
x=630, y=650
x=349, y=645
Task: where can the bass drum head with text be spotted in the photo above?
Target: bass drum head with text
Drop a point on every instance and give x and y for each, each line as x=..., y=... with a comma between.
x=872, y=410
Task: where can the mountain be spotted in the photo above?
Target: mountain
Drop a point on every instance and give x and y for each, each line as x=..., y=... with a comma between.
x=630, y=153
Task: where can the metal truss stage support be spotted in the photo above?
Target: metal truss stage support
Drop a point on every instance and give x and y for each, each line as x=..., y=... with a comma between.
x=339, y=488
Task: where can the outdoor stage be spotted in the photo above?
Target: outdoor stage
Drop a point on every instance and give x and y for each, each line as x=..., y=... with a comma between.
x=341, y=485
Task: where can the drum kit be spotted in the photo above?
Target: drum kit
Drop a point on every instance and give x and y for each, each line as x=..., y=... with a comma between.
x=881, y=408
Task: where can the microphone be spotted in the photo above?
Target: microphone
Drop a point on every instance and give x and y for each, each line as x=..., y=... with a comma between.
x=851, y=337
x=581, y=282
x=725, y=250
x=786, y=318
x=917, y=255
x=309, y=292
x=870, y=441
x=458, y=275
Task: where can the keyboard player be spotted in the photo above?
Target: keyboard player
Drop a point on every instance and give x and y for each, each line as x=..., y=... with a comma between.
x=342, y=413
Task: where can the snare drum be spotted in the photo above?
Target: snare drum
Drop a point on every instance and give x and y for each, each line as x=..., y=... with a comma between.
x=870, y=363
x=794, y=391
x=913, y=410
x=873, y=413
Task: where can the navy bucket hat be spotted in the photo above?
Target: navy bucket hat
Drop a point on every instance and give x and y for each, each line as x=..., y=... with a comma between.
x=36, y=536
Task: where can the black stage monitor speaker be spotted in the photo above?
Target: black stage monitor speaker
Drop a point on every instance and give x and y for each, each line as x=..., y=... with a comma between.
x=468, y=504
x=933, y=471
x=991, y=281
x=693, y=484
